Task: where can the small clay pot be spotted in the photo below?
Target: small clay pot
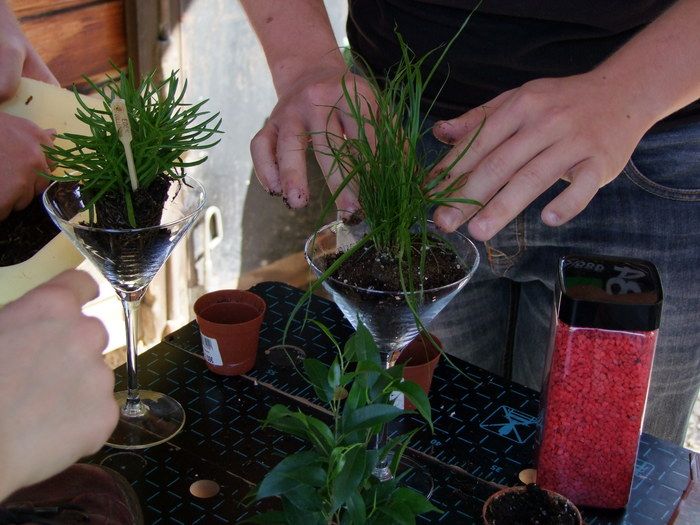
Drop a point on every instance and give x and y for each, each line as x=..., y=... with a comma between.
x=529, y=504
x=420, y=357
x=229, y=322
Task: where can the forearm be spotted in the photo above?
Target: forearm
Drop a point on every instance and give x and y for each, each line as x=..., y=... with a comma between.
x=295, y=35
x=658, y=70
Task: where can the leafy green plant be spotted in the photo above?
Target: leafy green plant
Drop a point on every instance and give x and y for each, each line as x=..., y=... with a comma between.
x=163, y=129
x=332, y=481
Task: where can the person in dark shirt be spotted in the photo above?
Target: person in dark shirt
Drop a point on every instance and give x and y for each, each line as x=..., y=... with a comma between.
x=590, y=143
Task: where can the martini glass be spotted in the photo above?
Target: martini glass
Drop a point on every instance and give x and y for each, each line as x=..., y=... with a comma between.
x=386, y=314
x=129, y=259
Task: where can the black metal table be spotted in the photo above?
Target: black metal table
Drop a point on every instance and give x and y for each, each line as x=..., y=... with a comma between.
x=484, y=431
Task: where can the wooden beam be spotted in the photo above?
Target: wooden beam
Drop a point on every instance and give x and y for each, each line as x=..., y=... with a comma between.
x=79, y=41
x=29, y=8
x=142, y=27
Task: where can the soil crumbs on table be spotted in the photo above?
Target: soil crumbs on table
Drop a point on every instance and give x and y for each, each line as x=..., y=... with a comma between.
x=533, y=506
x=24, y=233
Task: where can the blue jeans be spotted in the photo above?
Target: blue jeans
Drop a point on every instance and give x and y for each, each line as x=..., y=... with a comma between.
x=651, y=211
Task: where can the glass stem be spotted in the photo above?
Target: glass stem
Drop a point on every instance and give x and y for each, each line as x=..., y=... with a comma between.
x=131, y=303
x=382, y=471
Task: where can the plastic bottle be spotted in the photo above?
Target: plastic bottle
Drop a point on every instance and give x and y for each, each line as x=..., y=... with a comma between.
x=599, y=362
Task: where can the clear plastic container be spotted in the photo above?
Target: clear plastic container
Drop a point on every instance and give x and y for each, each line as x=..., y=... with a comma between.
x=599, y=364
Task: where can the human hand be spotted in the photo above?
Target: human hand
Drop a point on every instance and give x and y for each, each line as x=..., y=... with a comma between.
x=21, y=155
x=17, y=56
x=21, y=160
x=56, y=400
x=312, y=110
x=582, y=129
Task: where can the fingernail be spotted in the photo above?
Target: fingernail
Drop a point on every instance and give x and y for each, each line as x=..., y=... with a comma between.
x=444, y=132
x=295, y=198
x=449, y=219
x=52, y=132
x=481, y=228
x=274, y=189
x=551, y=218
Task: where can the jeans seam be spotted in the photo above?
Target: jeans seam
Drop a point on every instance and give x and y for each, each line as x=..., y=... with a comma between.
x=501, y=262
x=679, y=194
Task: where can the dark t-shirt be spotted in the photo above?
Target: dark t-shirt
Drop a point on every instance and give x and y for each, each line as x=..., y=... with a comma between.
x=505, y=44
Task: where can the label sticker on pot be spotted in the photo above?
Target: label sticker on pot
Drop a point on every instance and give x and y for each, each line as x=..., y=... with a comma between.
x=211, y=351
x=397, y=399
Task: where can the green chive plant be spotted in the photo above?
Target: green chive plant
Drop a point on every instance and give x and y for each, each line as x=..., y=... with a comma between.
x=395, y=182
x=162, y=129
x=331, y=482
x=384, y=164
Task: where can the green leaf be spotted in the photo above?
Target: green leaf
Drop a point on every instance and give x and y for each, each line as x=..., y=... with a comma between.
x=415, y=501
x=356, y=512
x=395, y=516
x=418, y=397
x=350, y=476
x=362, y=347
x=368, y=372
x=301, y=425
x=398, y=445
x=296, y=516
x=369, y=416
x=317, y=375
x=307, y=498
x=334, y=374
x=382, y=388
x=302, y=467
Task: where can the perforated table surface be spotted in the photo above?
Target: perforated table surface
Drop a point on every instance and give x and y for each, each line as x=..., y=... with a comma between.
x=484, y=431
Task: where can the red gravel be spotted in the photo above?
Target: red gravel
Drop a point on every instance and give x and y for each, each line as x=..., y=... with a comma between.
x=594, y=399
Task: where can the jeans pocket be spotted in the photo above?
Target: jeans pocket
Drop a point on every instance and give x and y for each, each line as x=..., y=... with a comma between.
x=667, y=164
x=660, y=190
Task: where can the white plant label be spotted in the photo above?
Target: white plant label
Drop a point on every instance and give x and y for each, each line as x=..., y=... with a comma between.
x=211, y=351
x=397, y=399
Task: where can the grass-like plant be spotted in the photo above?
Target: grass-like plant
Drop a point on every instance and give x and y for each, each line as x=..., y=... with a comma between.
x=392, y=176
x=332, y=481
x=385, y=165
x=163, y=129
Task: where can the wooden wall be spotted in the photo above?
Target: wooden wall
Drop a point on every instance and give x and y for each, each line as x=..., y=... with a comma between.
x=75, y=37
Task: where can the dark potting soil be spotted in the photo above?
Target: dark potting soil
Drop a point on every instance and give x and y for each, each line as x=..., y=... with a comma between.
x=371, y=269
x=533, y=506
x=111, y=214
x=147, y=204
x=23, y=233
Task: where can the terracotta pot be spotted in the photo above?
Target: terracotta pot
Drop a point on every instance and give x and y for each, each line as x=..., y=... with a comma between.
x=420, y=358
x=229, y=322
x=527, y=497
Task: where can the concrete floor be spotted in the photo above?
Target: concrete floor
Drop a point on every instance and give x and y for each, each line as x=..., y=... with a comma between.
x=270, y=230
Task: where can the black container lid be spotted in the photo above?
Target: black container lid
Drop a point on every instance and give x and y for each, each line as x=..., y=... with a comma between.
x=610, y=293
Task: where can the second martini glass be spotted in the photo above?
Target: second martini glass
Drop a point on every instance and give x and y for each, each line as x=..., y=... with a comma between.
x=386, y=314
x=129, y=259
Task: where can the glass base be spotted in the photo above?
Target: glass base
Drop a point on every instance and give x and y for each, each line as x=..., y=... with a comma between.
x=160, y=419
x=129, y=464
x=285, y=356
x=383, y=473
x=417, y=478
